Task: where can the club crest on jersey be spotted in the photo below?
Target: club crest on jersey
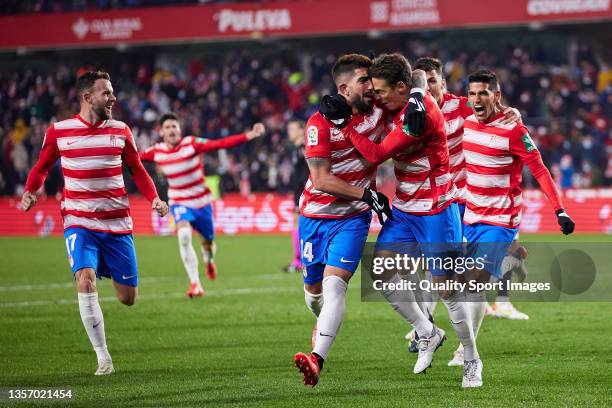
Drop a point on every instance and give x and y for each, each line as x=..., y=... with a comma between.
x=113, y=140
x=528, y=142
x=312, y=136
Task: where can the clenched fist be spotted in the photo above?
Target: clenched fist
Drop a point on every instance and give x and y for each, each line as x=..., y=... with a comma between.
x=28, y=200
x=258, y=130
x=160, y=206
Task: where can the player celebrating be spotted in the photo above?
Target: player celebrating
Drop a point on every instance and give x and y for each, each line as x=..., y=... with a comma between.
x=455, y=109
x=424, y=211
x=495, y=154
x=335, y=211
x=180, y=160
x=295, y=132
x=97, y=223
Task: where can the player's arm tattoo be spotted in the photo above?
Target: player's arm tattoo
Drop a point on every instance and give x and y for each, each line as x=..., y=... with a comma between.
x=419, y=79
x=317, y=162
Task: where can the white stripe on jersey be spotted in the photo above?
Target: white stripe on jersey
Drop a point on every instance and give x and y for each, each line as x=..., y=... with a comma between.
x=91, y=162
x=185, y=152
x=492, y=201
x=90, y=141
x=471, y=217
x=112, y=225
x=487, y=160
x=69, y=124
x=486, y=139
x=189, y=178
x=94, y=184
x=489, y=181
x=96, y=204
x=422, y=164
x=349, y=166
x=170, y=169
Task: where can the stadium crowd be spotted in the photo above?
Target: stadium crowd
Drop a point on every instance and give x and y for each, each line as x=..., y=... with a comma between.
x=66, y=6
x=567, y=108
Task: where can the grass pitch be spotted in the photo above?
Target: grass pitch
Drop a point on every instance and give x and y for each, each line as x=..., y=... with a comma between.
x=234, y=347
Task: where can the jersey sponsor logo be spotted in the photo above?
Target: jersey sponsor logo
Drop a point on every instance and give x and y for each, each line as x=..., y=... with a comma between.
x=312, y=135
x=528, y=142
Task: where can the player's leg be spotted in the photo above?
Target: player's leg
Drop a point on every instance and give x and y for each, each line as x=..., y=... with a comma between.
x=341, y=256
x=205, y=226
x=397, y=236
x=189, y=258
x=513, y=263
x=83, y=255
x=183, y=218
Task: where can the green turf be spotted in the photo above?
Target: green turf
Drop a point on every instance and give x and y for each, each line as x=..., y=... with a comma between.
x=235, y=346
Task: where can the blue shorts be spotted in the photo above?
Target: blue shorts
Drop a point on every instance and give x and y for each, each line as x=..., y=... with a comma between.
x=437, y=235
x=461, y=207
x=110, y=255
x=201, y=219
x=490, y=242
x=335, y=242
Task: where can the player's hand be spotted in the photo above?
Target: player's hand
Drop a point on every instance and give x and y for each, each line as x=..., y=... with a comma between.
x=379, y=203
x=28, y=200
x=565, y=222
x=415, y=116
x=160, y=206
x=511, y=115
x=335, y=109
x=257, y=131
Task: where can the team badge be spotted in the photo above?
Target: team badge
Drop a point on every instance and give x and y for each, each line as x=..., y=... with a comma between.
x=312, y=135
x=528, y=142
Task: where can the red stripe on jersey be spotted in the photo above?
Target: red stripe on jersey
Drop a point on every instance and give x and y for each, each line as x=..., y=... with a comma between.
x=96, y=173
x=184, y=172
x=94, y=151
x=84, y=195
x=99, y=215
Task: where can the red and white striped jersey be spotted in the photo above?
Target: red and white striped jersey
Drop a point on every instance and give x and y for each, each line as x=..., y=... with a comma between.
x=455, y=109
x=495, y=154
x=182, y=165
x=95, y=197
x=323, y=140
x=424, y=185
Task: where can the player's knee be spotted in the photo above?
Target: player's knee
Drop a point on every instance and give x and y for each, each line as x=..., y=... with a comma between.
x=128, y=298
x=86, y=280
x=184, y=236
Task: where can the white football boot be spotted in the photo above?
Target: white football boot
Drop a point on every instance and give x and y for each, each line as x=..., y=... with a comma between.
x=105, y=367
x=427, y=346
x=507, y=310
x=457, y=358
x=472, y=374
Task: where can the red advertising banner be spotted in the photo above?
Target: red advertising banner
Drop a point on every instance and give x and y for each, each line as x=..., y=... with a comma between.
x=287, y=18
x=273, y=213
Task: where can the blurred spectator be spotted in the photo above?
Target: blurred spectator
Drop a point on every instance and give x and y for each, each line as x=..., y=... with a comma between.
x=567, y=109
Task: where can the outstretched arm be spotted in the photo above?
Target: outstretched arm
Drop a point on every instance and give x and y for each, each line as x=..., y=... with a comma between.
x=205, y=145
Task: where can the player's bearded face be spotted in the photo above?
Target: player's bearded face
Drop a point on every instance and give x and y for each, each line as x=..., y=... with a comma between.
x=103, y=99
x=360, y=91
x=171, y=132
x=483, y=100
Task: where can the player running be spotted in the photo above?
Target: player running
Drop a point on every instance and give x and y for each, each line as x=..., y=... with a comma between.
x=424, y=212
x=335, y=211
x=180, y=160
x=299, y=176
x=97, y=223
x=495, y=154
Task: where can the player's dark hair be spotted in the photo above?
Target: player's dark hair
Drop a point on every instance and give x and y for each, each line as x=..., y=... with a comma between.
x=86, y=81
x=429, y=64
x=486, y=77
x=393, y=68
x=168, y=116
x=349, y=63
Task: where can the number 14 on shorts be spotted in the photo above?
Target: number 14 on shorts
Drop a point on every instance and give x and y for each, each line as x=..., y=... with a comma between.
x=306, y=250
